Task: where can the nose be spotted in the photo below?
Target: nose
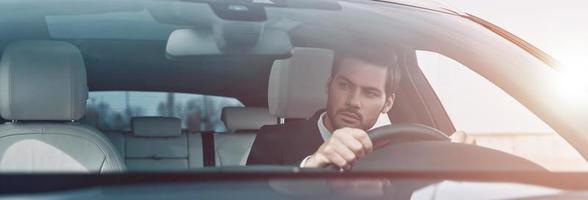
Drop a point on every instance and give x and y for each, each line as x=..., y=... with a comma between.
x=353, y=100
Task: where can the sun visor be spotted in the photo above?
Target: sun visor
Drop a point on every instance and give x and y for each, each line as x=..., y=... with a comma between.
x=233, y=39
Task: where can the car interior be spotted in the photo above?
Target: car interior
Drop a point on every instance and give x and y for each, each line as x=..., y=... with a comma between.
x=146, y=99
x=153, y=143
x=279, y=77
x=43, y=134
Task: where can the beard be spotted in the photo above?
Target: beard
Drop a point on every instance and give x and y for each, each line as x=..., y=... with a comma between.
x=346, y=118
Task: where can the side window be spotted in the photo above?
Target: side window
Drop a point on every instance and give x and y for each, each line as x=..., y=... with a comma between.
x=493, y=118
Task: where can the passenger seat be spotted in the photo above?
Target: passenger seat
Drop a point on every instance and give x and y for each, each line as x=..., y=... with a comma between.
x=158, y=144
x=43, y=91
x=117, y=138
x=232, y=148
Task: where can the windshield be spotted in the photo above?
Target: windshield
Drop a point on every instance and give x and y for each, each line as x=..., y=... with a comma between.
x=354, y=86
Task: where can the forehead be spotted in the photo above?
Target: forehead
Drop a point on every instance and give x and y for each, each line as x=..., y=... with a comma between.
x=362, y=73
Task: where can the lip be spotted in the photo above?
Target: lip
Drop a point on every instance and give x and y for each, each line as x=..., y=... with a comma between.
x=349, y=116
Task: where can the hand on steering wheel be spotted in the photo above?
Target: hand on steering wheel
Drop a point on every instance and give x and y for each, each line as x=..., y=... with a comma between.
x=342, y=149
x=347, y=145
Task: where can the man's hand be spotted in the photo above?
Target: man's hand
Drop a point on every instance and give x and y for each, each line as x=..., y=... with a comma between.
x=342, y=149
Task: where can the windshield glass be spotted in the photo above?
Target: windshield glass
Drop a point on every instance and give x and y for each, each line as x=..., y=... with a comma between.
x=177, y=86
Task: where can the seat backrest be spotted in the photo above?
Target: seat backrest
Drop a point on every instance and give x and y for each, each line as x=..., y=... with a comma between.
x=42, y=91
x=232, y=148
x=158, y=144
x=117, y=138
x=296, y=87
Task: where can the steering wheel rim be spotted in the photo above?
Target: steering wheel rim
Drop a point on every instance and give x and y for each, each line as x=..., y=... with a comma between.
x=425, y=148
x=400, y=133
x=404, y=132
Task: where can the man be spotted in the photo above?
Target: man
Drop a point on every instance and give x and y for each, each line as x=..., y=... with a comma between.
x=359, y=90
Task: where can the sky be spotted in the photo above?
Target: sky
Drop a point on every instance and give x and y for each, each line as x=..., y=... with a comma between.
x=559, y=28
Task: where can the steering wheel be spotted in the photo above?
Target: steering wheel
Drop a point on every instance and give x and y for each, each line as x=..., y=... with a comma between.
x=423, y=148
x=400, y=133
x=404, y=132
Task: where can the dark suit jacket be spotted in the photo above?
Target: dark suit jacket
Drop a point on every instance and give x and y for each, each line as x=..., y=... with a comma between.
x=286, y=144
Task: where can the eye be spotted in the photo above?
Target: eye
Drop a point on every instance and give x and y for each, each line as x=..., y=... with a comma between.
x=344, y=85
x=372, y=94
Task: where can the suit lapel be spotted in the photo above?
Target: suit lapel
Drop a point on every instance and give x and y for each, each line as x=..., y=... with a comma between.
x=304, y=139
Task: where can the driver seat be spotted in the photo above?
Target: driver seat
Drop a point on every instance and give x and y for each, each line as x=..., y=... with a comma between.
x=296, y=88
x=43, y=91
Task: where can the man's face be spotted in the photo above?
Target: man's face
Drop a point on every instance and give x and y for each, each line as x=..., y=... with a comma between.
x=356, y=95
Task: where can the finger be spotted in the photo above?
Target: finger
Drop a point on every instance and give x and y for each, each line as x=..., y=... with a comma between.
x=344, y=151
x=363, y=137
x=353, y=144
x=352, y=134
x=336, y=159
x=317, y=160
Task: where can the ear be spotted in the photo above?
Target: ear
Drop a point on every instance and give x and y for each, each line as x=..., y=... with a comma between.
x=389, y=103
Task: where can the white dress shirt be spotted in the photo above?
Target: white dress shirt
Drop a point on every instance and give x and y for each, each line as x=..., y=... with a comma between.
x=325, y=133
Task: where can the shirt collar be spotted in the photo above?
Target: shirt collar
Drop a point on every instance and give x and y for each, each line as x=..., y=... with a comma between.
x=325, y=133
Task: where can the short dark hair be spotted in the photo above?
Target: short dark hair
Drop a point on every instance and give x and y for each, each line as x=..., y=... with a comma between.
x=387, y=59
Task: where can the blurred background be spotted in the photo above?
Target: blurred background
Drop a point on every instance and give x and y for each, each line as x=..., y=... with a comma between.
x=560, y=29
x=556, y=27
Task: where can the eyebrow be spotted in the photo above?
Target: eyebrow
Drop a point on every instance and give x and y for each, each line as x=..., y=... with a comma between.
x=373, y=89
x=345, y=79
